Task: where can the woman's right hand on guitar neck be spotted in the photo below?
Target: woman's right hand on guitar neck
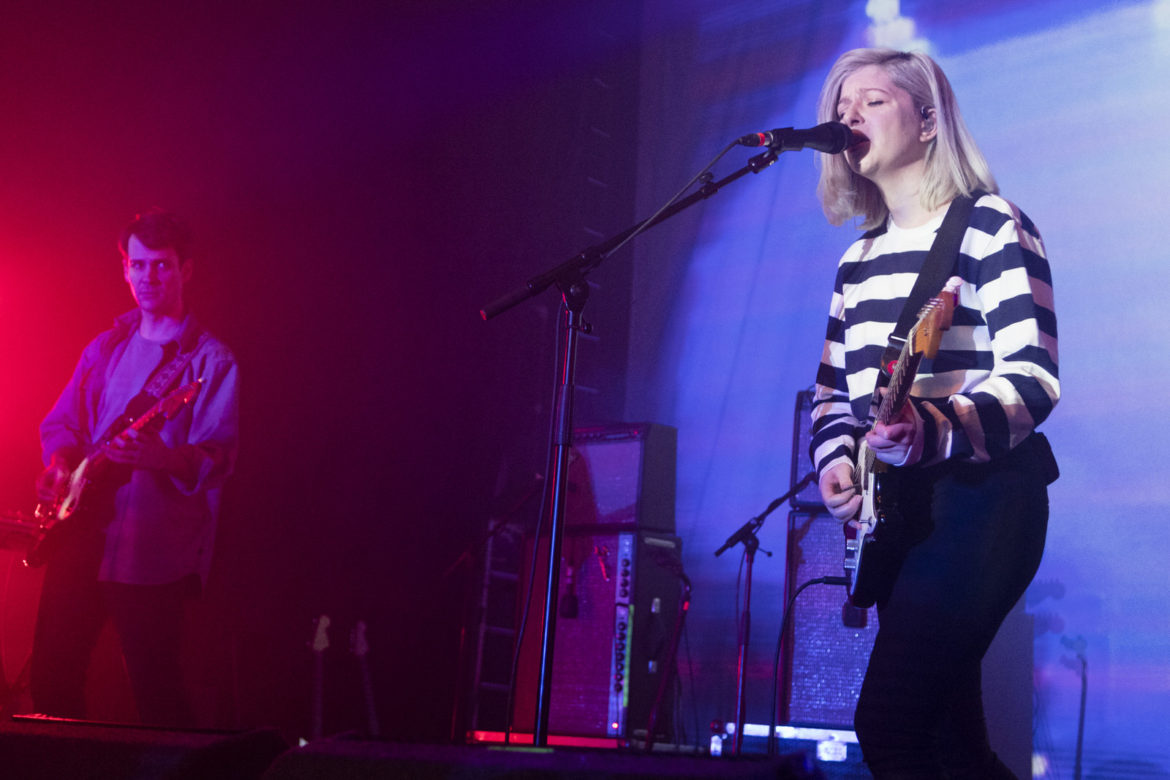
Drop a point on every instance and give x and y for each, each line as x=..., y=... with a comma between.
x=840, y=495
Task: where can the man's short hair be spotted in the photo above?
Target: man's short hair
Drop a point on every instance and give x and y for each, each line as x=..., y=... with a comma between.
x=158, y=229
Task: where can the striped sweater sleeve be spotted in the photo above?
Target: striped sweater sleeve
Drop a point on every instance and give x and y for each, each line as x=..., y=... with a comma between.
x=834, y=426
x=1007, y=314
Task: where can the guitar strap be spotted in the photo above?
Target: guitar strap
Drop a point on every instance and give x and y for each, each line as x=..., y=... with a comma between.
x=182, y=352
x=165, y=376
x=938, y=266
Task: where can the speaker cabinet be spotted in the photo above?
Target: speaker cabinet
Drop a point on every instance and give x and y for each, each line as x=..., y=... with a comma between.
x=809, y=497
x=619, y=600
x=824, y=659
x=827, y=646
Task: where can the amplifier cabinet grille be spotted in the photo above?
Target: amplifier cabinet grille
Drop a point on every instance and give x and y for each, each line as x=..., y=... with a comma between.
x=608, y=656
x=824, y=659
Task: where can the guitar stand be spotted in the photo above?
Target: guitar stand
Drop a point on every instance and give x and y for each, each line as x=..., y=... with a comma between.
x=359, y=648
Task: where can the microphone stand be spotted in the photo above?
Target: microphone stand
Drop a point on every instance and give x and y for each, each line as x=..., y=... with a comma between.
x=569, y=278
x=746, y=535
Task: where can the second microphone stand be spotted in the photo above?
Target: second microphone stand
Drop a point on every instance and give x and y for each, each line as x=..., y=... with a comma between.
x=746, y=535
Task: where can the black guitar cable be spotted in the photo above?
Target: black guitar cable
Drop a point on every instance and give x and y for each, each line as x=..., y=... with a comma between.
x=772, y=746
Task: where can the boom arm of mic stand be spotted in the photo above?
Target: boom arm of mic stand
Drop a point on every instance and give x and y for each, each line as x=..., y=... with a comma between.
x=749, y=528
x=586, y=261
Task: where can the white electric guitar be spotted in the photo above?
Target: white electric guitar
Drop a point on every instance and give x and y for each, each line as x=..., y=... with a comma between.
x=55, y=518
x=878, y=508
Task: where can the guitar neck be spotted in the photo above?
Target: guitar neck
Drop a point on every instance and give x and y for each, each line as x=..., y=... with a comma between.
x=898, y=389
x=922, y=341
x=162, y=410
x=119, y=429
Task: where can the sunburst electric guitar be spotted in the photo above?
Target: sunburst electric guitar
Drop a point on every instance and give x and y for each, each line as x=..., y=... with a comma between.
x=871, y=543
x=57, y=518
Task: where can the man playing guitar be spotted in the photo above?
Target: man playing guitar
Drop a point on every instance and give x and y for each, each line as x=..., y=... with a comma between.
x=138, y=543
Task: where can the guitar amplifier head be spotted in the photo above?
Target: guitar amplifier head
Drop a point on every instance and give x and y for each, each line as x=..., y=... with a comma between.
x=809, y=496
x=622, y=476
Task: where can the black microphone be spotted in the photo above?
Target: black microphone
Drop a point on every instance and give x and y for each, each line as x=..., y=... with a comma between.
x=830, y=138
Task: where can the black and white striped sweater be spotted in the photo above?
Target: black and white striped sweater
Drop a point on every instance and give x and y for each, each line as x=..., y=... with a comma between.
x=995, y=377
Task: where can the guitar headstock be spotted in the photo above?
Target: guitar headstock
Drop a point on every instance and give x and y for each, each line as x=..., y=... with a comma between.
x=933, y=319
x=320, y=641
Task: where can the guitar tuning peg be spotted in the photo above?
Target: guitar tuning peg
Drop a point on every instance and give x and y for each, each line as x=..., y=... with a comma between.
x=320, y=641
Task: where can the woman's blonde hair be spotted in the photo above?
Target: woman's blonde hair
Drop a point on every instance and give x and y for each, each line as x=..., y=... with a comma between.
x=954, y=164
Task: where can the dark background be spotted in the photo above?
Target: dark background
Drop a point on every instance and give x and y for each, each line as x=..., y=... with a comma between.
x=361, y=179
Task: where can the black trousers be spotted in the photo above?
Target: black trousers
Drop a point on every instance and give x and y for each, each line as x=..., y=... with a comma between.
x=148, y=620
x=975, y=535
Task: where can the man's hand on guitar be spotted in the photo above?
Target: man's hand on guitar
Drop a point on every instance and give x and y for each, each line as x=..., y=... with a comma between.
x=841, y=497
x=898, y=442
x=52, y=482
x=144, y=450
